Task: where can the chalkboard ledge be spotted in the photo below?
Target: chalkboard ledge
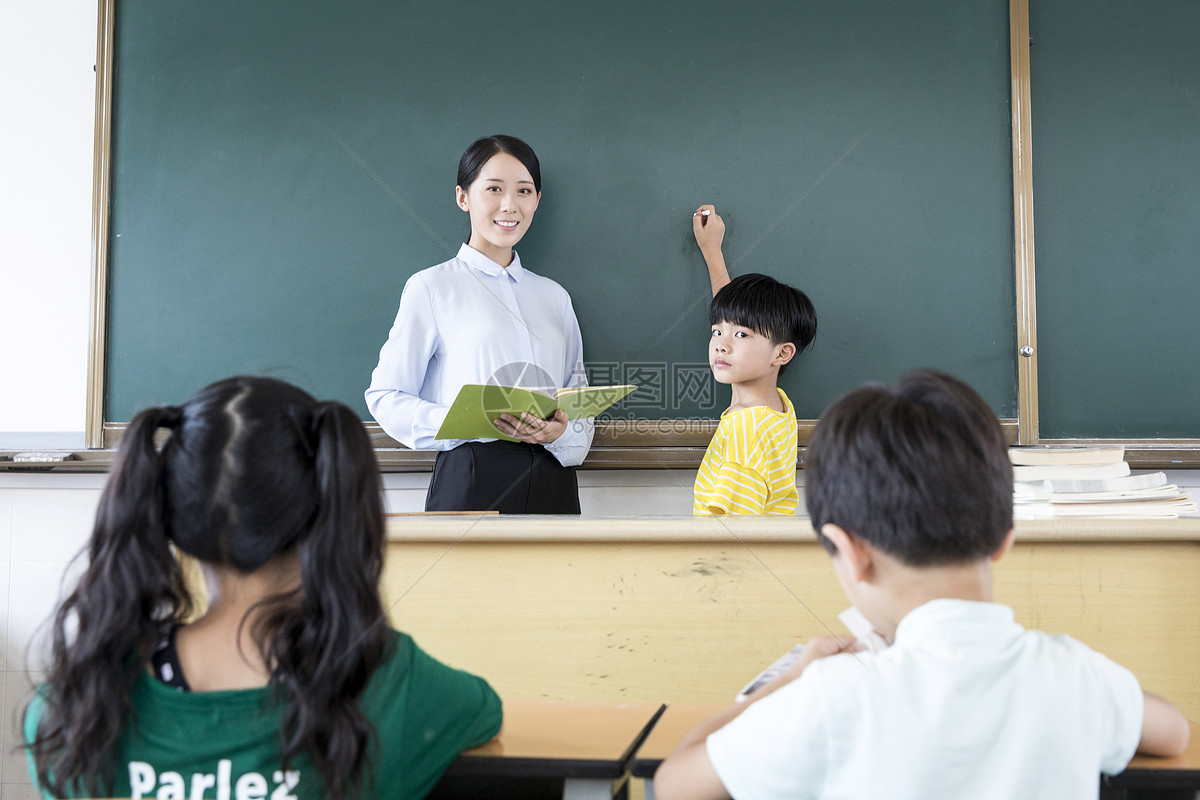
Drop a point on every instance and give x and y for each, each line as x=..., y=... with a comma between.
x=621, y=444
x=627, y=444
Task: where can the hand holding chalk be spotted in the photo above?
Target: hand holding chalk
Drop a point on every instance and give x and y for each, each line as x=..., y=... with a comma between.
x=709, y=229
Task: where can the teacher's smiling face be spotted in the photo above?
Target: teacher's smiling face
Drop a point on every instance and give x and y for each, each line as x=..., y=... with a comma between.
x=501, y=201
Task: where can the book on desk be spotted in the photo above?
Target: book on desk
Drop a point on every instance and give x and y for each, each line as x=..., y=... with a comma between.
x=1050, y=483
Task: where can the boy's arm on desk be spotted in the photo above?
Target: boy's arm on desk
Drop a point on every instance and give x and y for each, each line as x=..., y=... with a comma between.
x=688, y=772
x=1165, y=731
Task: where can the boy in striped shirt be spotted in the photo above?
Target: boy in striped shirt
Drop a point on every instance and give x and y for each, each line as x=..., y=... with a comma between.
x=758, y=326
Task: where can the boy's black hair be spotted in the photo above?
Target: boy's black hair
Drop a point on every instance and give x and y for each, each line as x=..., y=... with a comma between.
x=919, y=470
x=780, y=312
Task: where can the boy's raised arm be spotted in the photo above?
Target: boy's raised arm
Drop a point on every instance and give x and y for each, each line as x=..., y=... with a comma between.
x=1165, y=730
x=709, y=229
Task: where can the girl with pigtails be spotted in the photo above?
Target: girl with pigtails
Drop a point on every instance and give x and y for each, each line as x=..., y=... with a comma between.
x=290, y=684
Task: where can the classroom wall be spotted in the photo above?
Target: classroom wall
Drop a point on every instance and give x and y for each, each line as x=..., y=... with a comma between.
x=47, y=51
x=47, y=86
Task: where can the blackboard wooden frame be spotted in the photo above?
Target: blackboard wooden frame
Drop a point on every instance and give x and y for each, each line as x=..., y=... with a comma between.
x=614, y=446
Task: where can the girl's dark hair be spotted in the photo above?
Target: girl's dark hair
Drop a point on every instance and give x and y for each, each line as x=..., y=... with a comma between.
x=481, y=151
x=250, y=469
x=780, y=312
x=919, y=470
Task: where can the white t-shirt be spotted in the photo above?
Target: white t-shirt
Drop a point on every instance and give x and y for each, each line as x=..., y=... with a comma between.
x=965, y=704
x=469, y=320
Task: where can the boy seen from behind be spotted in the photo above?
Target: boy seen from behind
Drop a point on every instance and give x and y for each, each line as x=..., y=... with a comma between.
x=910, y=490
x=758, y=327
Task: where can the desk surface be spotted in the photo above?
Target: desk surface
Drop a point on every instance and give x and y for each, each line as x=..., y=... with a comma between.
x=556, y=529
x=566, y=739
x=672, y=725
x=1143, y=772
x=1147, y=772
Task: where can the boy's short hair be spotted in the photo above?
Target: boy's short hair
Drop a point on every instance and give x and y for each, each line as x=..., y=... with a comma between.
x=780, y=312
x=919, y=470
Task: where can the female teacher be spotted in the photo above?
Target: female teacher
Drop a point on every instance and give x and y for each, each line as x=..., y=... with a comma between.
x=481, y=317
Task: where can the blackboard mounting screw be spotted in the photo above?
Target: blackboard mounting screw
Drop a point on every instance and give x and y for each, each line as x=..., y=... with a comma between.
x=1027, y=351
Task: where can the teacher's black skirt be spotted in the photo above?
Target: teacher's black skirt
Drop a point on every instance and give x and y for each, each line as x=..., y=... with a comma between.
x=509, y=477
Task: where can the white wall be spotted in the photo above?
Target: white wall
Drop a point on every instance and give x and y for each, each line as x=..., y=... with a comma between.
x=44, y=522
x=47, y=86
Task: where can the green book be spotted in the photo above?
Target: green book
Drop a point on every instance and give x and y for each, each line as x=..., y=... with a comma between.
x=472, y=413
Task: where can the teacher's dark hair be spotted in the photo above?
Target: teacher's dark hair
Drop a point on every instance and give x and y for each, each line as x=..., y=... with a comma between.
x=481, y=151
x=249, y=469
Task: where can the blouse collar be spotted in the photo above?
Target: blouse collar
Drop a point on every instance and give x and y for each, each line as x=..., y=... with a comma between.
x=477, y=260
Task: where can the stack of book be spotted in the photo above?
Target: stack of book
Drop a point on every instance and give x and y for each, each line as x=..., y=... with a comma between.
x=1090, y=482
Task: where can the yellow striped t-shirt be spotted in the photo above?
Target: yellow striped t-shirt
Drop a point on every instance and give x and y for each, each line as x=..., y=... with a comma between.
x=750, y=464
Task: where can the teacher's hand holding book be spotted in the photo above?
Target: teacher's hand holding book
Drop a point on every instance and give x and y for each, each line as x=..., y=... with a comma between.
x=531, y=429
x=488, y=411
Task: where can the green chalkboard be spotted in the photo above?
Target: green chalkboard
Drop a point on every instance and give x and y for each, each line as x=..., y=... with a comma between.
x=1116, y=142
x=280, y=168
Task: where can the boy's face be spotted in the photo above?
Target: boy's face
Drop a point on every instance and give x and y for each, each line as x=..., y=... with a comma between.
x=738, y=354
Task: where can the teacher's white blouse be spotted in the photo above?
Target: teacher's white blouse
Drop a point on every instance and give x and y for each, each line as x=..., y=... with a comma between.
x=469, y=320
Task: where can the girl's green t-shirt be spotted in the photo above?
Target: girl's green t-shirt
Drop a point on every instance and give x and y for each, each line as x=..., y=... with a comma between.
x=224, y=745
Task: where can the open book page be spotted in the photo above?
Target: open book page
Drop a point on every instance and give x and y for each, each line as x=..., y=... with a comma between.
x=472, y=414
x=864, y=633
x=770, y=673
x=863, y=630
x=582, y=402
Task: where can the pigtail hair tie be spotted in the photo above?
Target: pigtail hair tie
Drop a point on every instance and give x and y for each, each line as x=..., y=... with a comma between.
x=320, y=415
x=170, y=417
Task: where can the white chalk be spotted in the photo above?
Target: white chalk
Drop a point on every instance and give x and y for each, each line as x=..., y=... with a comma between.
x=41, y=457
